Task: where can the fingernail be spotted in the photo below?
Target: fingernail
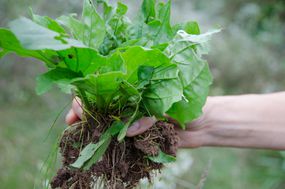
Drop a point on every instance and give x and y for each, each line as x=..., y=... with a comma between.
x=135, y=126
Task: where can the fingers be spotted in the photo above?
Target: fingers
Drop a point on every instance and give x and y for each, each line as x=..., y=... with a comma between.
x=140, y=126
x=71, y=117
x=77, y=107
x=75, y=113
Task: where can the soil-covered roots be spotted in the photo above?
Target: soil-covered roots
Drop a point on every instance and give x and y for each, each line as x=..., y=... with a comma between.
x=123, y=164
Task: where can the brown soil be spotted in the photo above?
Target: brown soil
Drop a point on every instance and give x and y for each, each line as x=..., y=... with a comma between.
x=123, y=164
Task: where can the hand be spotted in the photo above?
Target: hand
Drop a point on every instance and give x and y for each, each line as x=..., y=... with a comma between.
x=244, y=121
x=75, y=113
x=192, y=137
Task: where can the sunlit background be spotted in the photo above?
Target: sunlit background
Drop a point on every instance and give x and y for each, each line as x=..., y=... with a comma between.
x=248, y=56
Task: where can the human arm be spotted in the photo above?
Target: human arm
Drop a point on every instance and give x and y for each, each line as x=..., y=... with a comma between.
x=245, y=121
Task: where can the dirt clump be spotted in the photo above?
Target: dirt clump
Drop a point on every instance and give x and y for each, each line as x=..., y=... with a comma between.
x=122, y=165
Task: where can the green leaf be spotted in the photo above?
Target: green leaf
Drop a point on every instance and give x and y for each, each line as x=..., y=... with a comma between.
x=148, y=10
x=147, y=14
x=162, y=158
x=94, y=30
x=189, y=27
x=134, y=57
x=164, y=31
x=93, y=152
x=47, y=22
x=192, y=28
x=98, y=154
x=129, y=93
x=145, y=67
x=102, y=86
x=9, y=43
x=112, y=63
x=121, y=9
x=116, y=127
x=54, y=76
x=3, y=52
x=88, y=152
x=74, y=26
x=35, y=37
x=195, y=95
x=144, y=76
x=117, y=29
x=164, y=90
x=82, y=60
x=194, y=74
x=123, y=131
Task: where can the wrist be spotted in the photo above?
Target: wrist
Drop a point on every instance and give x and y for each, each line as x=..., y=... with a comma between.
x=219, y=124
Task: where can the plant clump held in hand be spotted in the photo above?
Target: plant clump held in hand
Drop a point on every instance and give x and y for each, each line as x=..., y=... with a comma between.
x=122, y=70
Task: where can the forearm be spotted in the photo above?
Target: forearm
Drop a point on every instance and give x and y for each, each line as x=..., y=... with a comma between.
x=256, y=121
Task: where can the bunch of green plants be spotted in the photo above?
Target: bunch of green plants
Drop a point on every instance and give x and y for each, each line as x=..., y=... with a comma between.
x=118, y=67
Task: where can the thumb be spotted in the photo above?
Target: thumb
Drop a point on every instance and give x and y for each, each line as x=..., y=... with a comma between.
x=140, y=126
x=77, y=107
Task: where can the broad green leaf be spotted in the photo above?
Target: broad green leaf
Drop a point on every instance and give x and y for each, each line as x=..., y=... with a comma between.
x=112, y=63
x=47, y=22
x=162, y=158
x=164, y=31
x=183, y=52
x=35, y=37
x=194, y=73
x=189, y=27
x=164, y=90
x=82, y=60
x=94, y=30
x=139, y=68
x=54, y=76
x=195, y=95
x=102, y=86
x=74, y=26
x=135, y=57
x=9, y=43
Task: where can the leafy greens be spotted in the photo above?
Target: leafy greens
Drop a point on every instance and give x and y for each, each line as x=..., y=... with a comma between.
x=144, y=67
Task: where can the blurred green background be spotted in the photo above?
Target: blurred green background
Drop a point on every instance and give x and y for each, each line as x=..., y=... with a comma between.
x=247, y=57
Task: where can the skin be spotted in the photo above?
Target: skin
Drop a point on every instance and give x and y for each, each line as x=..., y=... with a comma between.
x=244, y=121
